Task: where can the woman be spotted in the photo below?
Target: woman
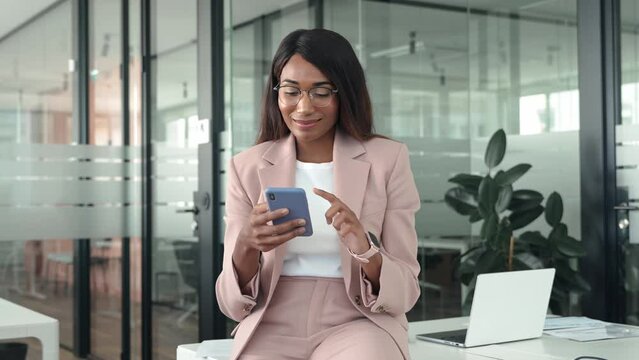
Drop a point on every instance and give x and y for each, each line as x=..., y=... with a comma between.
x=341, y=293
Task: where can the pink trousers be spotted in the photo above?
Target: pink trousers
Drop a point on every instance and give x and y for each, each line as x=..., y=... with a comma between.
x=312, y=318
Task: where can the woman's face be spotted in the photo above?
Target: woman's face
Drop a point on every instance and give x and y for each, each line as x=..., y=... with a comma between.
x=306, y=121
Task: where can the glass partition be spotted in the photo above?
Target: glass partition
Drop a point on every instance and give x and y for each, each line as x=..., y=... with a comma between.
x=175, y=129
x=105, y=130
x=36, y=137
x=627, y=145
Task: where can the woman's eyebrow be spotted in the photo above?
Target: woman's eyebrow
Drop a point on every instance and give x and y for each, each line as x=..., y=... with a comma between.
x=314, y=84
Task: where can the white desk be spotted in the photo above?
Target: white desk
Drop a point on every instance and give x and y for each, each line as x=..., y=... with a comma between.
x=19, y=322
x=546, y=347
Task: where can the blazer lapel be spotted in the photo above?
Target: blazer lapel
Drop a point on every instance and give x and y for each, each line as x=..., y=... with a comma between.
x=278, y=172
x=350, y=180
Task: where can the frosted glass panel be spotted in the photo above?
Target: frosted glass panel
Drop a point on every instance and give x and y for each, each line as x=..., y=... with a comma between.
x=628, y=172
x=87, y=191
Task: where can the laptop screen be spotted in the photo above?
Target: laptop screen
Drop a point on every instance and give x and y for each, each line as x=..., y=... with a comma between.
x=507, y=306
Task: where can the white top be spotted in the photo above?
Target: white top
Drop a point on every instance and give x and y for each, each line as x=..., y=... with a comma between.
x=316, y=255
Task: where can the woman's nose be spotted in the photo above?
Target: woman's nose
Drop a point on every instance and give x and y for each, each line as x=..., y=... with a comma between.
x=305, y=105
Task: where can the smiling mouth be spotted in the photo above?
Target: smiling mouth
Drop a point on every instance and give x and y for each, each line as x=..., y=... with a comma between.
x=306, y=122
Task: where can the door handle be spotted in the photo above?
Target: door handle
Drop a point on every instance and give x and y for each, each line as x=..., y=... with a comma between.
x=624, y=223
x=193, y=210
x=626, y=207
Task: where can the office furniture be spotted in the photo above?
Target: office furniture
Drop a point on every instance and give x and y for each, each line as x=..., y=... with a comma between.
x=13, y=351
x=19, y=322
x=55, y=261
x=186, y=253
x=545, y=347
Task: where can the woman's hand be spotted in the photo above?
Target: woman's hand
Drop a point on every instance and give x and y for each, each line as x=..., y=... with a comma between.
x=259, y=236
x=346, y=223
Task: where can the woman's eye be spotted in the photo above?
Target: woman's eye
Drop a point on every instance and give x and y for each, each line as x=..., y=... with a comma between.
x=291, y=92
x=321, y=92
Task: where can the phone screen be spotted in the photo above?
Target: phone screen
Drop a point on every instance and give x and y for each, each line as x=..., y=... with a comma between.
x=293, y=199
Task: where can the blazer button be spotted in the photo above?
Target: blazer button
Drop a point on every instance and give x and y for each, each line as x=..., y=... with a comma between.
x=247, y=308
x=358, y=300
x=381, y=309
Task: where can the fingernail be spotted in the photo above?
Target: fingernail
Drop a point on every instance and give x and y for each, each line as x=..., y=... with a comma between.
x=284, y=211
x=301, y=222
x=301, y=230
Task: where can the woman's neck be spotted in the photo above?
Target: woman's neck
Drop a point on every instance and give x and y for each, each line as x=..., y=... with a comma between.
x=319, y=151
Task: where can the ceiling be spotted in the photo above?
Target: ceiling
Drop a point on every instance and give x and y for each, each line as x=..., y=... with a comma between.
x=21, y=11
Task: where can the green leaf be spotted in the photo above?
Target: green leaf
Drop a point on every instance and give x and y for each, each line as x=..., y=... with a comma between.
x=525, y=195
x=518, y=264
x=533, y=238
x=570, y=247
x=521, y=205
x=558, y=232
x=496, y=149
x=460, y=201
x=467, y=181
x=488, y=262
x=522, y=218
x=470, y=251
x=475, y=216
x=554, y=209
x=487, y=196
x=512, y=174
x=468, y=266
x=503, y=199
x=489, y=228
x=531, y=261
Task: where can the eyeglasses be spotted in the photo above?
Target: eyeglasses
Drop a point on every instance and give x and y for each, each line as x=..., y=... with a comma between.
x=290, y=95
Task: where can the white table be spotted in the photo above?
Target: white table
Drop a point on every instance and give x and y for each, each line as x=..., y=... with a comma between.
x=546, y=347
x=19, y=322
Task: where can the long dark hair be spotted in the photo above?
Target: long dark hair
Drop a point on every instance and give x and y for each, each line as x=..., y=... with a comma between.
x=333, y=55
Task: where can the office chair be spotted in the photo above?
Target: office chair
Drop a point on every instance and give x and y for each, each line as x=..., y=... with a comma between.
x=187, y=255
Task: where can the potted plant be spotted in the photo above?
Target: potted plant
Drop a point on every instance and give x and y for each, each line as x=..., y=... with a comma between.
x=492, y=199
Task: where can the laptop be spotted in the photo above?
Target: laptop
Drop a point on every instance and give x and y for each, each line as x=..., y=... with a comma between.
x=507, y=306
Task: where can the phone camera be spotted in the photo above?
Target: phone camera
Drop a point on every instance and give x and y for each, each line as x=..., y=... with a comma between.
x=271, y=196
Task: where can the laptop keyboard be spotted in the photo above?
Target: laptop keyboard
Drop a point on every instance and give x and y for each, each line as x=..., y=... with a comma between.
x=458, y=338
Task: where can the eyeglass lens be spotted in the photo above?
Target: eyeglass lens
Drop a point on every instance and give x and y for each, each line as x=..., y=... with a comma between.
x=291, y=95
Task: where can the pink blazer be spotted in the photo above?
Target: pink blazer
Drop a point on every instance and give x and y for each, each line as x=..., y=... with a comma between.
x=375, y=180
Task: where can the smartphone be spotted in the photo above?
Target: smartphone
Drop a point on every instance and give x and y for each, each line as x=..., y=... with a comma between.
x=294, y=199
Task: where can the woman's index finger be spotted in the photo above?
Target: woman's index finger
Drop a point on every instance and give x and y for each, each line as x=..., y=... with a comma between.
x=325, y=194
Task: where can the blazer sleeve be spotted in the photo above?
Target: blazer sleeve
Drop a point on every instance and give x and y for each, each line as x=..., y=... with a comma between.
x=398, y=282
x=235, y=302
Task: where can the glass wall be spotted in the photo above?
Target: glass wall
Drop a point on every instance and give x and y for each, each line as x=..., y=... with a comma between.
x=36, y=136
x=523, y=78
x=105, y=130
x=58, y=189
x=135, y=141
x=443, y=76
x=176, y=132
x=627, y=144
x=256, y=33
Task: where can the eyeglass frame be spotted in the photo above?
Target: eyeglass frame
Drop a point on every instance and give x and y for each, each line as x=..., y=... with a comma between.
x=277, y=87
